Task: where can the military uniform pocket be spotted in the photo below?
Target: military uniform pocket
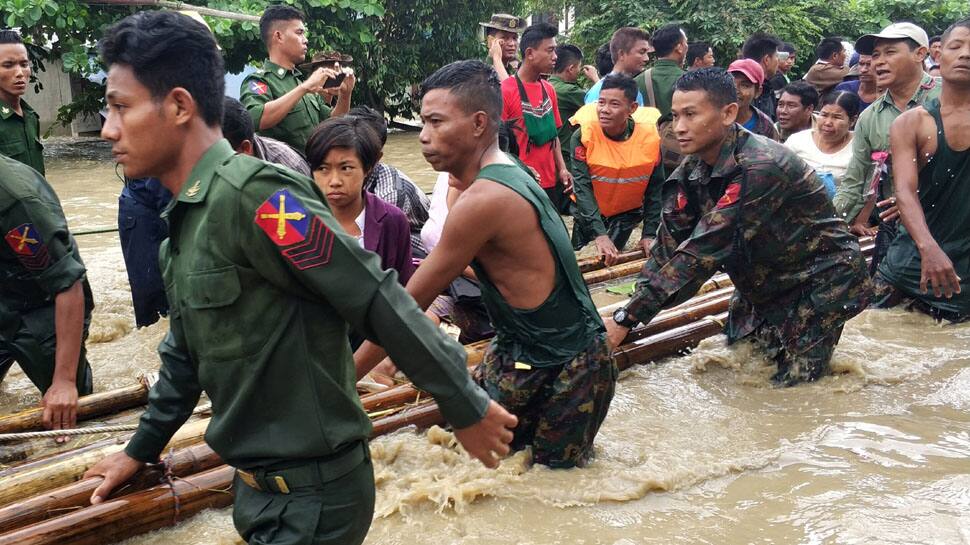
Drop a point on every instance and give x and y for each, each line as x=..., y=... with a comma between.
x=14, y=149
x=213, y=288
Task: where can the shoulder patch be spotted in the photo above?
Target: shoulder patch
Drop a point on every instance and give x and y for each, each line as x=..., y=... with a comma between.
x=731, y=194
x=681, y=200
x=27, y=243
x=258, y=87
x=305, y=240
x=580, y=153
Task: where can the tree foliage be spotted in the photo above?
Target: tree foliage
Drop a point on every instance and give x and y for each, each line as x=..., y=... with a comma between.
x=726, y=23
x=395, y=43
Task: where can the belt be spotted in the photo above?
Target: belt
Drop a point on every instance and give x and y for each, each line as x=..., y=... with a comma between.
x=314, y=473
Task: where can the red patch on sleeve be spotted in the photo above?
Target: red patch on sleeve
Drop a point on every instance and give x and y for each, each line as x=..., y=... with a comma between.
x=681, y=200
x=580, y=153
x=305, y=240
x=730, y=196
x=258, y=87
x=29, y=247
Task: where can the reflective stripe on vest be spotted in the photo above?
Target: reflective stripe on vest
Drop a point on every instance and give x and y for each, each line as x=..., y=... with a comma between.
x=620, y=171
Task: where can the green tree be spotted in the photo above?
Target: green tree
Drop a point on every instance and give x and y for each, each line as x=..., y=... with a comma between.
x=395, y=43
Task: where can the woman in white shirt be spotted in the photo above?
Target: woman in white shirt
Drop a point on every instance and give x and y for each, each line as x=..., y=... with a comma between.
x=827, y=147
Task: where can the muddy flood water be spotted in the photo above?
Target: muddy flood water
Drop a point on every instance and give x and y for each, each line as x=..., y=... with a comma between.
x=697, y=449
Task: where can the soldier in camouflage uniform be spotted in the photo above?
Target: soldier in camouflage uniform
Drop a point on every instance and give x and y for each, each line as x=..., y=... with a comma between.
x=745, y=204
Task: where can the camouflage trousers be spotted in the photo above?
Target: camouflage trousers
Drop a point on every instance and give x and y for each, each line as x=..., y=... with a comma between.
x=807, y=365
x=885, y=295
x=560, y=408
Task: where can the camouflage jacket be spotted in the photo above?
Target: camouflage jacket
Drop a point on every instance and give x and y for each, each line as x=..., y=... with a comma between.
x=760, y=214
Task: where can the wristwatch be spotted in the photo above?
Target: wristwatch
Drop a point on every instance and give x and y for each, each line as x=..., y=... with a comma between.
x=623, y=318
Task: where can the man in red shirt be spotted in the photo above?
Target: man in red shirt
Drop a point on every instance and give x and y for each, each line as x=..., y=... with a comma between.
x=532, y=105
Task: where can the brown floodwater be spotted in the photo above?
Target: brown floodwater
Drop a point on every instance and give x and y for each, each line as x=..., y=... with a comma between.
x=696, y=449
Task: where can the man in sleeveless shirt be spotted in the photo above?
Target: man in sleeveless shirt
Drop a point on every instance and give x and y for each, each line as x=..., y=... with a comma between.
x=548, y=363
x=928, y=263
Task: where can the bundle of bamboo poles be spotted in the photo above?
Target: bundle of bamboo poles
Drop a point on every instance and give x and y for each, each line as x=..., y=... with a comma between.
x=57, y=510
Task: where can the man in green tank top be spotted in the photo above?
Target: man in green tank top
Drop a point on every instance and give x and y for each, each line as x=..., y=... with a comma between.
x=928, y=264
x=548, y=364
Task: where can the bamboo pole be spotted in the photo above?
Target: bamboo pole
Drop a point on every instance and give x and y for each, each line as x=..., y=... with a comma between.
x=134, y=514
x=57, y=502
x=179, y=6
x=88, y=407
x=30, y=479
x=588, y=264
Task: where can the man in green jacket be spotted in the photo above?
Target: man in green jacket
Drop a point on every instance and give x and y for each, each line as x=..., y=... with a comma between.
x=19, y=123
x=670, y=47
x=263, y=285
x=284, y=105
x=565, y=77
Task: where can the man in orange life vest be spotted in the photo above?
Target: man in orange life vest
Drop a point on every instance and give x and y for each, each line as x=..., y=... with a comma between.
x=616, y=168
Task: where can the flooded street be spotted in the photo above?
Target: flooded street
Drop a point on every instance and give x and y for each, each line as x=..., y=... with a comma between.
x=696, y=450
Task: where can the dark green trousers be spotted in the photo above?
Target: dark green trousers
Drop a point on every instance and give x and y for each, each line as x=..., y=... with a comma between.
x=31, y=343
x=338, y=512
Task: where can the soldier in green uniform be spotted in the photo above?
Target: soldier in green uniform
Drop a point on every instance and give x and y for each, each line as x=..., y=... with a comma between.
x=502, y=33
x=263, y=284
x=748, y=205
x=45, y=301
x=19, y=123
x=284, y=105
x=548, y=363
x=571, y=96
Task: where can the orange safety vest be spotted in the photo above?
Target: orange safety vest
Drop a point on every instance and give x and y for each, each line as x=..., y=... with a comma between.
x=620, y=171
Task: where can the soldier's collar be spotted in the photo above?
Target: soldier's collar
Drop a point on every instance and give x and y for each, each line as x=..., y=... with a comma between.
x=727, y=165
x=271, y=67
x=6, y=111
x=197, y=184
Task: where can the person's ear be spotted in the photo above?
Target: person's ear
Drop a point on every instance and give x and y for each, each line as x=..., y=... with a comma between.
x=634, y=106
x=729, y=113
x=245, y=147
x=181, y=105
x=922, y=53
x=480, y=122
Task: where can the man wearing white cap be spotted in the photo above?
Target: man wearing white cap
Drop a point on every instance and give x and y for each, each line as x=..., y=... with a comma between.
x=897, y=61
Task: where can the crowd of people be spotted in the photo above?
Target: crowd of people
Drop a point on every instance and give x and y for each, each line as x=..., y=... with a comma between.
x=292, y=262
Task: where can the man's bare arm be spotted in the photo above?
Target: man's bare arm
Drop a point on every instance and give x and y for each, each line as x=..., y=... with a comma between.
x=471, y=222
x=60, y=400
x=936, y=267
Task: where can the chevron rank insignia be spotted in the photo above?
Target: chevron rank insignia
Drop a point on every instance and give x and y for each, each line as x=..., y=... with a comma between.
x=29, y=247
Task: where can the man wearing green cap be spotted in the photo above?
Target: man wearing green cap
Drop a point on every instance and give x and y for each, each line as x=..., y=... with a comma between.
x=283, y=104
x=502, y=33
x=897, y=53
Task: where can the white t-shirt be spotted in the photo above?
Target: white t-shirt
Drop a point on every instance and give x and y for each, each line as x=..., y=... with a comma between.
x=437, y=213
x=360, y=220
x=836, y=163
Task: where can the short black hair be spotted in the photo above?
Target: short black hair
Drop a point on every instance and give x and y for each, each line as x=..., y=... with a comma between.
x=348, y=132
x=787, y=48
x=474, y=83
x=666, y=38
x=566, y=56
x=274, y=13
x=935, y=39
x=375, y=118
x=806, y=92
x=624, y=83
x=827, y=47
x=166, y=50
x=604, y=59
x=846, y=100
x=625, y=39
x=237, y=125
x=696, y=50
x=965, y=23
x=8, y=36
x=533, y=35
x=759, y=45
x=716, y=82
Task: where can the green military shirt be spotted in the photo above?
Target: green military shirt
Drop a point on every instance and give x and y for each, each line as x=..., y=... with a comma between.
x=663, y=75
x=761, y=214
x=872, y=135
x=263, y=284
x=588, y=211
x=20, y=135
x=271, y=82
x=39, y=257
x=571, y=97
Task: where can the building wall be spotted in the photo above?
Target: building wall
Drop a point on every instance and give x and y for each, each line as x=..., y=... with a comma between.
x=56, y=92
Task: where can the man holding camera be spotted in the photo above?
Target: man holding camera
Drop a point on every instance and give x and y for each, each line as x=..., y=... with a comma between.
x=283, y=103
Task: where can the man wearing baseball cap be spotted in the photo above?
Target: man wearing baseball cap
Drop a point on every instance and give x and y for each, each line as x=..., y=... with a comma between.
x=502, y=33
x=897, y=55
x=749, y=78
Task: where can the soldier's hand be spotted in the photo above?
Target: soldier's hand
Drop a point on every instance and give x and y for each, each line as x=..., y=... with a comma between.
x=606, y=249
x=937, y=271
x=645, y=244
x=489, y=438
x=314, y=83
x=60, y=407
x=567, y=181
x=384, y=372
x=495, y=49
x=890, y=213
x=115, y=469
x=615, y=333
x=590, y=72
x=347, y=86
x=860, y=229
